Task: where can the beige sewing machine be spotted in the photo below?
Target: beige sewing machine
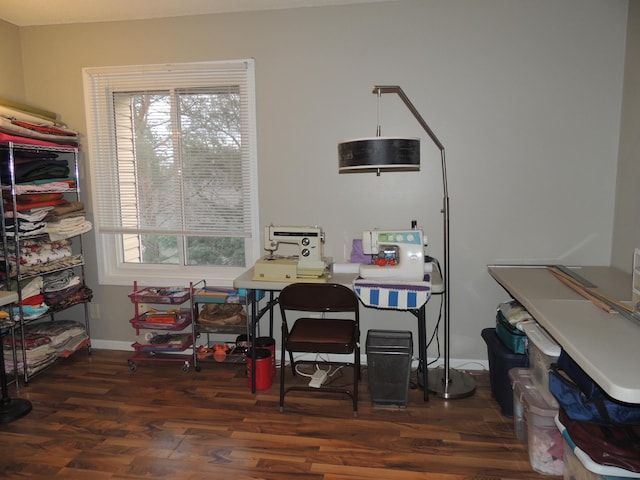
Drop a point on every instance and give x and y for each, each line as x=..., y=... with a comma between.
x=397, y=254
x=308, y=265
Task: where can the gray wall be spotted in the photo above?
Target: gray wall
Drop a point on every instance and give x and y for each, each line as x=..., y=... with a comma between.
x=626, y=232
x=11, y=79
x=525, y=95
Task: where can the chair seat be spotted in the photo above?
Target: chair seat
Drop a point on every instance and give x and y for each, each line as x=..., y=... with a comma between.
x=322, y=335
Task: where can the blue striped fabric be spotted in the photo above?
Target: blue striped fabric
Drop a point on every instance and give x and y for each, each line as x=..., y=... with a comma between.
x=393, y=294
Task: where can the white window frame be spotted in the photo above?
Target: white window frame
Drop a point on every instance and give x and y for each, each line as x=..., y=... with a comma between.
x=111, y=268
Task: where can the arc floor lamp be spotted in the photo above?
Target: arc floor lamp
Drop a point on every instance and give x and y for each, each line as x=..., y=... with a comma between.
x=377, y=154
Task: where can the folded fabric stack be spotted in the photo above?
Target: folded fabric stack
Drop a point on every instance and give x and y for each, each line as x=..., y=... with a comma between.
x=44, y=343
x=41, y=177
x=32, y=166
x=50, y=293
x=67, y=228
x=40, y=205
x=47, y=185
x=62, y=212
x=64, y=289
x=41, y=256
x=29, y=224
x=33, y=305
x=66, y=335
x=60, y=219
x=20, y=121
x=38, y=349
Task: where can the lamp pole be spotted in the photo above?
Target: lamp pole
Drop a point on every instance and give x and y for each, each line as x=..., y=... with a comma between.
x=445, y=383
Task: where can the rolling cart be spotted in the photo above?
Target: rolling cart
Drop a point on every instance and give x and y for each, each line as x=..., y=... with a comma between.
x=166, y=312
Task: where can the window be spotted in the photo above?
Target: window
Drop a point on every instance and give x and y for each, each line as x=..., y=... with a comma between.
x=173, y=171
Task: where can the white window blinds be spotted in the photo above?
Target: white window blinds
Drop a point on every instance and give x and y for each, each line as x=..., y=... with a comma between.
x=173, y=148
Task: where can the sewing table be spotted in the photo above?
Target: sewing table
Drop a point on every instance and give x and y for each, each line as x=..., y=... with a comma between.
x=256, y=313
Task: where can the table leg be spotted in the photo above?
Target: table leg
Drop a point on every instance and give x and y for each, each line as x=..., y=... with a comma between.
x=422, y=346
x=10, y=408
x=252, y=335
x=252, y=301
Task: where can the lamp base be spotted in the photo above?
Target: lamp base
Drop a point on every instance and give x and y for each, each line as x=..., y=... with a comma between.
x=13, y=408
x=460, y=384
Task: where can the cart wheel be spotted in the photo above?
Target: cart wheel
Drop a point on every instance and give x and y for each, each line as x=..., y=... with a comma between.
x=198, y=368
x=185, y=367
x=133, y=366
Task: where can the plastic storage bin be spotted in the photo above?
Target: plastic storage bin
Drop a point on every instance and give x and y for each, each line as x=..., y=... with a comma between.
x=516, y=375
x=542, y=351
x=579, y=466
x=508, y=317
x=501, y=360
x=544, y=440
x=389, y=355
x=575, y=469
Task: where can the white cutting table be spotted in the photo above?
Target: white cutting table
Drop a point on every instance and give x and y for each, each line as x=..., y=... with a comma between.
x=605, y=345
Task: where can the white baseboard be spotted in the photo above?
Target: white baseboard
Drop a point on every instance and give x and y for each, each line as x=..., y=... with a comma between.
x=111, y=345
x=456, y=363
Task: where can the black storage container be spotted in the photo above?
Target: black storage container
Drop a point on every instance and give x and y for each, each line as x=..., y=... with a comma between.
x=389, y=355
x=501, y=360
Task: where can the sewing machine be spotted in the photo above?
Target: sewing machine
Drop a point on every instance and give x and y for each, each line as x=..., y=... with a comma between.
x=308, y=265
x=397, y=254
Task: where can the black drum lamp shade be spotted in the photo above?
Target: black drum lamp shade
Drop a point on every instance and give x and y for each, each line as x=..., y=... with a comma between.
x=374, y=154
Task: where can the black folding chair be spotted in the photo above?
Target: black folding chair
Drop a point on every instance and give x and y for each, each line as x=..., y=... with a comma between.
x=326, y=334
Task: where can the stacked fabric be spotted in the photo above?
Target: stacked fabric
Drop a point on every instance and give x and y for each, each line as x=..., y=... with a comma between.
x=598, y=428
x=63, y=289
x=38, y=172
x=66, y=335
x=50, y=293
x=37, y=348
x=25, y=122
x=41, y=176
x=41, y=180
x=33, y=304
x=44, y=343
x=28, y=224
x=41, y=255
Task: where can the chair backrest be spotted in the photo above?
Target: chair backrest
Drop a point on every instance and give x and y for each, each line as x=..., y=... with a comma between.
x=319, y=297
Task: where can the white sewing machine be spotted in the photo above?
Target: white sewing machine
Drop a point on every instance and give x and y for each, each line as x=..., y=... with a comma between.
x=308, y=265
x=397, y=254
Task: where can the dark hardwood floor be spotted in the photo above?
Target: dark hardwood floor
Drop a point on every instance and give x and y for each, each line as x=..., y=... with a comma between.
x=93, y=418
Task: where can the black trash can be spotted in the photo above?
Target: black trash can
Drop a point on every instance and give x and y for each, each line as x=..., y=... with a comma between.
x=389, y=355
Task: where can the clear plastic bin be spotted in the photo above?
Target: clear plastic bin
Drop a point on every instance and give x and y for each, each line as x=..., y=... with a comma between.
x=544, y=440
x=542, y=351
x=579, y=466
x=519, y=421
